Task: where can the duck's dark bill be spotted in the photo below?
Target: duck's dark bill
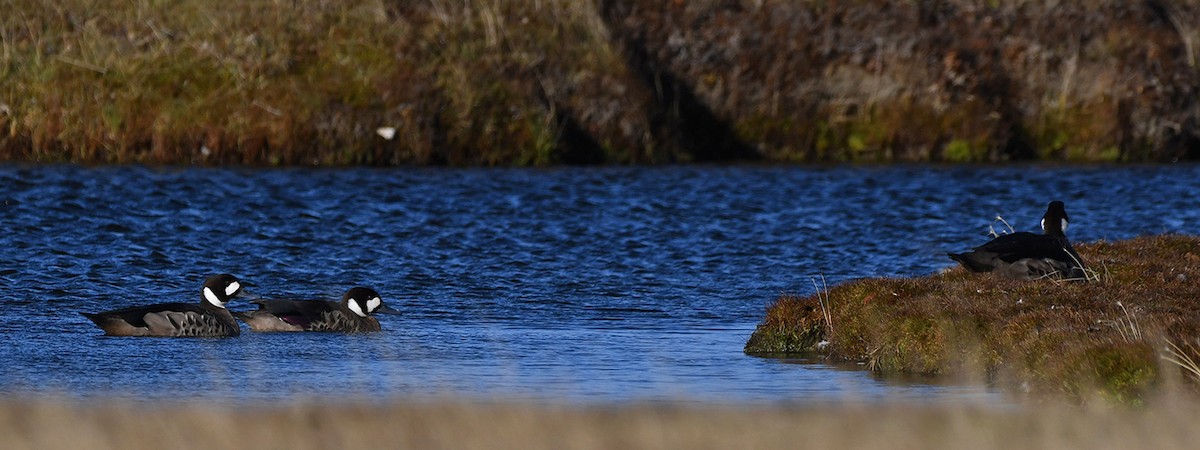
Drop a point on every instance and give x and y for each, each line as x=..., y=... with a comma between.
x=386, y=310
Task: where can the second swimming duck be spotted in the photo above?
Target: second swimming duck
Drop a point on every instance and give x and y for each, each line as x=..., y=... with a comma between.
x=352, y=314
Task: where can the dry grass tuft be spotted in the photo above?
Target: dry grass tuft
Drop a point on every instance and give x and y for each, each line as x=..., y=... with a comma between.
x=1078, y=339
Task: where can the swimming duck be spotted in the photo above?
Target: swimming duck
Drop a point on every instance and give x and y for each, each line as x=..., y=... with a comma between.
x=1028, y=256
x=207, y=319
x=352, y=314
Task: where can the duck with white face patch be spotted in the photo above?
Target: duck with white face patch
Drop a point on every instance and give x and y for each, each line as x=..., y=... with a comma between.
x=209, y=318
x=1029, y=256
x=352, y=314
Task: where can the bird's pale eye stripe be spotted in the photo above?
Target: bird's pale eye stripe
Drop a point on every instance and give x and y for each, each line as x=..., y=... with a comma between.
x=212, y=298
x=233, y=287
x=374, y=303
x=357, y=310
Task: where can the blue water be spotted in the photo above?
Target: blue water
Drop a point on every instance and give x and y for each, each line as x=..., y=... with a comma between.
x=573, y=284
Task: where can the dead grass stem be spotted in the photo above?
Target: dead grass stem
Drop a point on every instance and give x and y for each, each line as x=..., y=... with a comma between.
x=822, y=293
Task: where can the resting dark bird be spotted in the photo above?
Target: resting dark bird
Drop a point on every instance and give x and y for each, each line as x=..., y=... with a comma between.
x=209, y=318
x=352, y=314
x=1029, y=256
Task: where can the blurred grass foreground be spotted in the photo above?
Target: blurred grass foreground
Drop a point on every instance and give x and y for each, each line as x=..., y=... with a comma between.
x=46, y=424
x=536, y=82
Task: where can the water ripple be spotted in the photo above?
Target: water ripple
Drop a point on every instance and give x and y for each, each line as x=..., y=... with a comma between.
x=601, y=283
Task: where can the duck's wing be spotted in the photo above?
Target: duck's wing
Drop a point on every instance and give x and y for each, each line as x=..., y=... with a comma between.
x=134, y=316
x=300, y=313
x=165, y=319
x=1017, y=246
x=194, y=323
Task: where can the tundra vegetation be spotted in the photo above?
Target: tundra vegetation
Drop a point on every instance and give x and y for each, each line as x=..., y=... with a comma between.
x=538, y=82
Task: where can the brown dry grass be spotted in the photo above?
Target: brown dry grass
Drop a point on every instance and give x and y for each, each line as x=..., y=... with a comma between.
x=534, y=82
x=1076, y=339
x=935, y=80
x=305, y=82
x=54, y=425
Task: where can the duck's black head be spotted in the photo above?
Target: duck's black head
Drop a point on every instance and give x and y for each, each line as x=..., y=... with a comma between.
x=218, y=289
x=1055, y=221
x=364, y=302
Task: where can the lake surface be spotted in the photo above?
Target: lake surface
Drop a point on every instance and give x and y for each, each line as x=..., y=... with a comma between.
x=575, y=284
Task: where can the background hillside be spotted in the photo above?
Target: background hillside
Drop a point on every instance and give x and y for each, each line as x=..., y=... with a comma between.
x=535, y=82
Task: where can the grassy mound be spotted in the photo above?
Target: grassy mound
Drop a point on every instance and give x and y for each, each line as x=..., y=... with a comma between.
x=1108, y=336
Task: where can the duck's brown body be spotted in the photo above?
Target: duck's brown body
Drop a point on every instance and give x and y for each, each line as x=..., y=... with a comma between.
x=351, y=315
x=306, y=315
x=209, y=318
x=168, y=320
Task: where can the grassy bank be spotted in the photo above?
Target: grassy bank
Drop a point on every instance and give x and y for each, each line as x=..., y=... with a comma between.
x=50, y=425
x=1106, y=338
x=535, y=82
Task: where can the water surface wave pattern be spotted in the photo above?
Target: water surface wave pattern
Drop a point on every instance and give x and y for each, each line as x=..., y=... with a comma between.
x=589, y=284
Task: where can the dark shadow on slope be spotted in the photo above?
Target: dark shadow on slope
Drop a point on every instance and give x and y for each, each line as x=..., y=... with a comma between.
x=575, y=145
x=679, y=117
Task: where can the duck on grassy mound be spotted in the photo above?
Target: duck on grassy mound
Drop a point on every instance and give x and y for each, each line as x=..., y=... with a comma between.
x=1029, y=256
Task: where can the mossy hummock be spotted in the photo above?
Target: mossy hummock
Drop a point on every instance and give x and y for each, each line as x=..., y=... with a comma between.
x=1075, y=338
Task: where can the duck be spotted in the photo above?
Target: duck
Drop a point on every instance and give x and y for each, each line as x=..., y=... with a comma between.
x=1029, y=256
x=351, y=315
x=209, y=318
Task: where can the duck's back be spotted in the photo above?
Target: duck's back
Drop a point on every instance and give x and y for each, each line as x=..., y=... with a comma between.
x=1017, y=246
x=166, y=319
x=1024, y=256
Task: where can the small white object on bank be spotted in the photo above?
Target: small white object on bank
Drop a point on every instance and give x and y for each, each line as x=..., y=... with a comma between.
x=386, y=132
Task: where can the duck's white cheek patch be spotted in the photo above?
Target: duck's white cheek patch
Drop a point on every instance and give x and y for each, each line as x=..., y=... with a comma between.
x=1043, y=224
x=1064, y=225
x=373, y=304
x=233, y=287
x=357, y=310
x=212, y=298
